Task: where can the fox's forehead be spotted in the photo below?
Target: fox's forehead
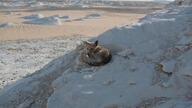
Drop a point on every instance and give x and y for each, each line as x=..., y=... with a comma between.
x=89, y=44
x=90, y=47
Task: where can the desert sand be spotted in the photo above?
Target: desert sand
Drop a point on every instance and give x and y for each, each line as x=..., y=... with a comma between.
x=150, y=68
x=23, y=57
x=89, y=28
x=26, y=48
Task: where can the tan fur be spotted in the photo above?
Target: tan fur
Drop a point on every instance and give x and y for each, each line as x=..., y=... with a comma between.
x=94, y=54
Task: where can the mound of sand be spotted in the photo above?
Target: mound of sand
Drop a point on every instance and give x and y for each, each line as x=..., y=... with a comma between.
x=64, y=17
x=78, y=19
x=44, y=21
x=60, y=16
x=8, y=24
x=151, y=60
x=92, y=16
x=33, y=16
x=68, y=20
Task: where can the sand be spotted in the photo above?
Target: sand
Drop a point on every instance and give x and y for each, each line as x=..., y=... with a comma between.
x=21, y=57
x=26, y=48
x=150, y=67
x=89, y=28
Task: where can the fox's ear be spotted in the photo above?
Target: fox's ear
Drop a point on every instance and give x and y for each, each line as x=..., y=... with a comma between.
x=96, y=42
x=85, y=43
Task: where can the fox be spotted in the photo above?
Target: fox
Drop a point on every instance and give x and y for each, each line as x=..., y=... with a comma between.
x=94, y=54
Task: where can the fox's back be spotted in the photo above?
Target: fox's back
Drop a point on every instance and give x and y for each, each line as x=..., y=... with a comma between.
x=95, y=55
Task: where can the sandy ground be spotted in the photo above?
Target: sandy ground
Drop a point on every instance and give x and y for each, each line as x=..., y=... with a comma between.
x=23, y=57
x=20, y=57
x=153, y=69
x=89, y=28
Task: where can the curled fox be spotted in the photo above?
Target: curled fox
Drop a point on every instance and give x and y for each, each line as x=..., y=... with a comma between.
x=95, y=55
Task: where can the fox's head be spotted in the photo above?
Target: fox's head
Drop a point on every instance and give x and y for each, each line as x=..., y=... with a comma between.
x=90, y=45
